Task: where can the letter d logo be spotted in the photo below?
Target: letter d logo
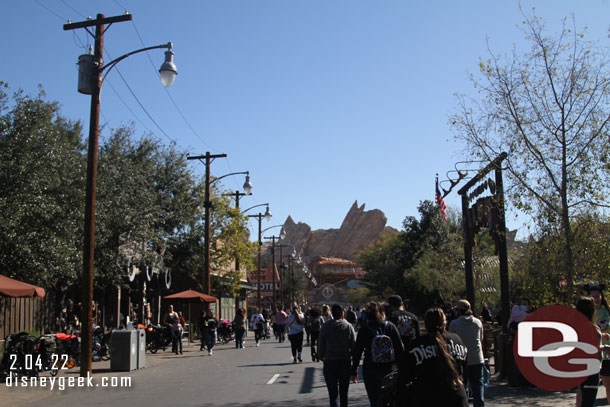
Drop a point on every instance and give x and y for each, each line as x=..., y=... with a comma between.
x=526, y=338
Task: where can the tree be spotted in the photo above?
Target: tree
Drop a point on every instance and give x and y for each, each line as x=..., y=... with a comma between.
x=548, y=108
x=421, y=262
x=42, y=184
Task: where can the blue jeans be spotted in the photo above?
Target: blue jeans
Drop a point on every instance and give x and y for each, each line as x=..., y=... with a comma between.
x=473, y=378
x=373, y=374
x=337, y=376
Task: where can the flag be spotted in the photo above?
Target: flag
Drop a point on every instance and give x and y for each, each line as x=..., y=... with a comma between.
x=440, y=201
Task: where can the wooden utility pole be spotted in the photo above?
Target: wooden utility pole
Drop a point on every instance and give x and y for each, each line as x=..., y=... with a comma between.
x=92, y=154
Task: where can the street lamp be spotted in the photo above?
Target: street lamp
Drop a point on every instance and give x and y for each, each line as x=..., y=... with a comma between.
x=280, y=237
x=259, y=216
x=91, y=68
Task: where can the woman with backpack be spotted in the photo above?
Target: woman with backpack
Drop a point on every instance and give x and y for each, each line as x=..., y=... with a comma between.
x=380, y=341
x=295, y=324
x=433, y=366
x=316, y=325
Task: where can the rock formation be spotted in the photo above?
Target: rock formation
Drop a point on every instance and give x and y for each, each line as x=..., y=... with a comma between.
x=359, y=230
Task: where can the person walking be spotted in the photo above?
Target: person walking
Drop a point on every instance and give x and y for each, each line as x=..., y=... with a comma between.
x=256, y=323
x=379, y=355
x=172, y=320
x=406, y=322
x=239, y=328
x=350, y=316
x=433, y=365
x=316, y=325
x=201, y=326
x=470, y=330
x=295, y=324
x=280, y=323
x=336, y=343
x=209, y=330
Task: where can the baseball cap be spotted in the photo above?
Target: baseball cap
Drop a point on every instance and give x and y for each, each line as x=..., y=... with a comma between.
x=463, y=304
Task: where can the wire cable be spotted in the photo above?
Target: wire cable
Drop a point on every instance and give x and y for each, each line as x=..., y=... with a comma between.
x=52, y=12
x=73, y=9
x=170, y=95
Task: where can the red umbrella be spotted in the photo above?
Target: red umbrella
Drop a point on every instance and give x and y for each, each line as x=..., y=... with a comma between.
x=14, y=288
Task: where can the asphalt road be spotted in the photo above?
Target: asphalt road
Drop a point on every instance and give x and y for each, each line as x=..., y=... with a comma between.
x=254, y=376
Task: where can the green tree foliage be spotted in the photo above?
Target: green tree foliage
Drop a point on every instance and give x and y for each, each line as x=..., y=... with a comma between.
x=538, y=273
x=421, y=263
x=548, y=108
x=42, y=171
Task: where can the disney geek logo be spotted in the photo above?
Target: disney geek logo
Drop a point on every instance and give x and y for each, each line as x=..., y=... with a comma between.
x=557, y=348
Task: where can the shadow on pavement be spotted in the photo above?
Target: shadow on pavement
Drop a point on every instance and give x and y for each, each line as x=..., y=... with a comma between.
x=267, y=364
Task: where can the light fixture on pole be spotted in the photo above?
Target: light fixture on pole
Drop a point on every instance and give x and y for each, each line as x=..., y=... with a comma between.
x=259, y=217
x=91, y=68
x=280, y=237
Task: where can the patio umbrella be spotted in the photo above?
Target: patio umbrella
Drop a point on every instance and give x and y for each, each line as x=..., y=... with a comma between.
x=191, y=296
x=15, y=288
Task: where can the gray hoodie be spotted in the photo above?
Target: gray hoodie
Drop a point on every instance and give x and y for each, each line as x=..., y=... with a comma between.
x=470, y=331
x=337, y=340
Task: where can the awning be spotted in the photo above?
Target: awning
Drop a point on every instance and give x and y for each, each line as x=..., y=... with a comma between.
x=15, y=288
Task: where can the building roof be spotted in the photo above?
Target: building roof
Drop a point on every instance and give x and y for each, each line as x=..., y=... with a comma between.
x=332, y=261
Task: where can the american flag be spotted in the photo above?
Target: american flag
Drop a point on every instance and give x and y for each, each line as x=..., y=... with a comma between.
x=440, y=201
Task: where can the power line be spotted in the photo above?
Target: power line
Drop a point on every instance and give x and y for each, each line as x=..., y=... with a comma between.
x=170, y=95
x=51, y=11
x=73, y=9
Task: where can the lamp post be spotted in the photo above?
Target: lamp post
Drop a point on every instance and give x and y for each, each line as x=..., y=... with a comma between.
x=259, y=216
x=280, y=237
x=237, y=195
x=207, y=286
x=91, y=68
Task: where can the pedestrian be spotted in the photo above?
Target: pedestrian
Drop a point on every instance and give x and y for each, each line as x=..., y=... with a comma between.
x=280, y=322
x=266, y=317
x=308, y=321
x=172, y=320
x=239, y=328
x=210, y=328
x=316, y=325
x=470, y=330
x=350, y=316
x=256, y=323
x=587, y=391
x=326, y=313
x=295, y=324
x=433, y=366
x=336, y=343
x=273, y=324
x=379, y=354
x=201, y=326
x=406, y=322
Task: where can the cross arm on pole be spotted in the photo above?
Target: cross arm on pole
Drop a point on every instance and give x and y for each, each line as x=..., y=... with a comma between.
x=97, y=21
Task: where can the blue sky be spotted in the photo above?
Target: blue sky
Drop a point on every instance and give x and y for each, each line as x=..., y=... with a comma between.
x=325, y=102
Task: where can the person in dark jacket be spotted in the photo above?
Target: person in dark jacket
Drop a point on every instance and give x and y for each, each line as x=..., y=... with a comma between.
x=374, y=372
x=434, y=364
x=406, y=322
x=239, y=328
x=336, y=343
x=209, y=330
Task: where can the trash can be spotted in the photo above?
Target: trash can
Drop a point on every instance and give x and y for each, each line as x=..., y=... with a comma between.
x=141, y=334
x=124, y=350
